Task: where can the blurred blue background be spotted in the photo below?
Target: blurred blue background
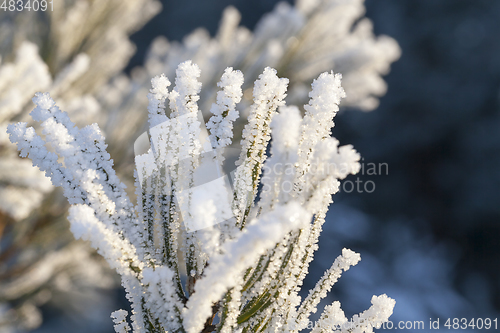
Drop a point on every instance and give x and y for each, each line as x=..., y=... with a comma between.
x=429, y=234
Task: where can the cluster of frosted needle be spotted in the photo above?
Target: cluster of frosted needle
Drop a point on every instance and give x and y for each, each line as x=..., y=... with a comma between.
x=227, y=253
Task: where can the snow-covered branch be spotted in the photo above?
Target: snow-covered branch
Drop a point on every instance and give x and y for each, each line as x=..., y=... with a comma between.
x=198, y=254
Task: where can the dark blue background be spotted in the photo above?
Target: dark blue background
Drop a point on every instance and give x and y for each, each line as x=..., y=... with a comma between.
x=434, y=219
x=438, y=127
